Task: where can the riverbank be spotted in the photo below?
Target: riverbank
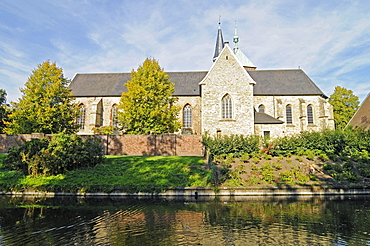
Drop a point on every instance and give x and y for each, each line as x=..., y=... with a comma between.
x=162, y=176
x=205, y=193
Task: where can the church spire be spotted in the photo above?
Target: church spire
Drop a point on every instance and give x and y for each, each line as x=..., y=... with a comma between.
x=236, y=40
x=219, y=41
x=247, y=64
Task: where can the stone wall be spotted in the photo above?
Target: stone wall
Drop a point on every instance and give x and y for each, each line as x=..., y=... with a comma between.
x=195, y=104
x=227, y=77
x=168, y=145
x=98, y=112
x=275, y=106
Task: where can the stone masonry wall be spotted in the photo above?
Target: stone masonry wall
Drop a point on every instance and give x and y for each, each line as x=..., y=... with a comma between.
x=98, y=112
x=195, y=104
x=163, y=145
x=227, y=77
x=275, y=106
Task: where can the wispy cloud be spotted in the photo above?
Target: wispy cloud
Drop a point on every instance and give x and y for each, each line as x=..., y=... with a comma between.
x=329, y=39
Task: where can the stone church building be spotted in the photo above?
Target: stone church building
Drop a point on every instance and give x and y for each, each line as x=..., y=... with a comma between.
x=233, y=97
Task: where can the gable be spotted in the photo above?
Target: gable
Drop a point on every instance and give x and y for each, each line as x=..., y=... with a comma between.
x=227, y=67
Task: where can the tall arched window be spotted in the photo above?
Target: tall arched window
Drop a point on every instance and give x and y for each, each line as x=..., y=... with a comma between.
x=309, y=114
x=187, y=116
x=226, y=107
x=82, y=116
x=114, y=115
x=288, y=112
x=261, y=108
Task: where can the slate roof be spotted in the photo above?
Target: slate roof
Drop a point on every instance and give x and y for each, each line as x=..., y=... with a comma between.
x=112, y=84
x=362, y=116
x=283, y=82
x=262, y=118
x=268, y=82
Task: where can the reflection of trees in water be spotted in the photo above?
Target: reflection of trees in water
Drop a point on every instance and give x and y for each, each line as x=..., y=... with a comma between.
x=303, y=221
x=125, y=222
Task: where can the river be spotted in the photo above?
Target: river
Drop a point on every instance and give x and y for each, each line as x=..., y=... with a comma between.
x=331, y=220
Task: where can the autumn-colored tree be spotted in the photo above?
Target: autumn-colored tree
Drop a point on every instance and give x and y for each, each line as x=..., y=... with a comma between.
x=46, y=104
x=148, y=106
x=345, y=104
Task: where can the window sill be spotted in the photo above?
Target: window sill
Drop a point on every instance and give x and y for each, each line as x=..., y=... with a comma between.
x=227, y=120
x=311, y=125
x=290, y=125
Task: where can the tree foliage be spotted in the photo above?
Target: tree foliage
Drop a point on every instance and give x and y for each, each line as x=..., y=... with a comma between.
x=3, y=110
x=53, y=156
x=345, y=104
x=148, y=106
x=46, y=104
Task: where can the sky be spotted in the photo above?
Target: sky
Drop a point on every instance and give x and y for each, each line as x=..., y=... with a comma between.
x=328, y=39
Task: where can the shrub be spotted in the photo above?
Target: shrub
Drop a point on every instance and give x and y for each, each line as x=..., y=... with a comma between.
x=277, y=166
x=332, y=143
x=55, y=156
x=287, y=177
x=267, y=173
x=323, y=157
x=255, y=160
x=19, y=157
x=236, y=144
x=244, y=157
x=299, y=158
x=310, y=155
x=302, y=178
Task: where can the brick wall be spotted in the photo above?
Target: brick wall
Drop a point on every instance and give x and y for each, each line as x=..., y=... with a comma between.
x=169, y=145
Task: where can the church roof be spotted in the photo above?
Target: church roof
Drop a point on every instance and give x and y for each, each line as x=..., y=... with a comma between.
x=112, y=84
x=362, y=116
x=268, y=82
x=283, y=82
x=244, y=60
x=263, y=118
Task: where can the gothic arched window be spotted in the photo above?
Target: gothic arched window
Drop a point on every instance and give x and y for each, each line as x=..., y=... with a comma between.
x=226, y=107
x=82, y=117
x=309, y=114
x=288, y=112
x=187, y=116
x=114, y=115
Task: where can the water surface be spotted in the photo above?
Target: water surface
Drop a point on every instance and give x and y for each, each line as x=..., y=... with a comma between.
x=237, y=221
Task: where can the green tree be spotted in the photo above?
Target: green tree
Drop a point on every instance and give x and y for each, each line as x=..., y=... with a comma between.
x=46, y=104
x=345, y=104
x=3, y=110
x=148, y=106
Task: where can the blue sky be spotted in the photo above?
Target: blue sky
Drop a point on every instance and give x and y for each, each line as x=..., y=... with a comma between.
x=329, y=40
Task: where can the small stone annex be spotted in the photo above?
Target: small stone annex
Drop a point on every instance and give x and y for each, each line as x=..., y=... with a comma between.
x=233, y=97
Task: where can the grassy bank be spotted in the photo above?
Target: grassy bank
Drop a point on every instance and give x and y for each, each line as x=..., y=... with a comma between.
x=123, y=173
x=159, y=173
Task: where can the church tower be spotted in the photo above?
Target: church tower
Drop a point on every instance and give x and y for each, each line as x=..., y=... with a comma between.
x=227, y=94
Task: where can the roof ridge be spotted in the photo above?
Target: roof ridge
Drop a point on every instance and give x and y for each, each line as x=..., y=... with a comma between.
x=130, y=72
x=281, y=69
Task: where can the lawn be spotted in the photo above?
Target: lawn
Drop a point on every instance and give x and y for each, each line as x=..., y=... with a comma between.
x=118, y=173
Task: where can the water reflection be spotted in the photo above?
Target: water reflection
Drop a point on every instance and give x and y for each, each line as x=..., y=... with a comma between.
x=133, y=221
